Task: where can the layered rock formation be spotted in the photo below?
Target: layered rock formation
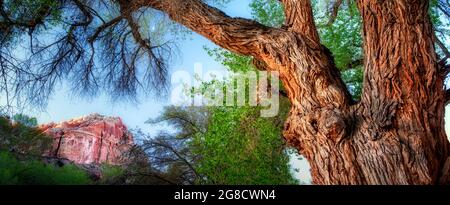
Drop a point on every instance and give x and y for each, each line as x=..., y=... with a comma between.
x=92, y=139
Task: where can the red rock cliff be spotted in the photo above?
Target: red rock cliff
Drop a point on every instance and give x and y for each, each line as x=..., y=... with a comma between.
x=92, y=139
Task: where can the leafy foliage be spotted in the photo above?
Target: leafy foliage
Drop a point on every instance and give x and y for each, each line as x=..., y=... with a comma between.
x=32, y=172
x=35, y=14
x=240, y=148
x=220, y=145
x=343, y=37
x=268, y=12
x=232, y=61
x=21, y=138
x=25, y=120
x=111, y=175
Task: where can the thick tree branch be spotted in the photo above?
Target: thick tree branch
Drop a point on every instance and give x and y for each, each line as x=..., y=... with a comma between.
x=300, y=18
x=134, y=27
x=306, y=68
x=235, y=34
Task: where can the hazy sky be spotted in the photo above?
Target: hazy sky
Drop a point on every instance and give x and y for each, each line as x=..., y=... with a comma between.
x=63, y=107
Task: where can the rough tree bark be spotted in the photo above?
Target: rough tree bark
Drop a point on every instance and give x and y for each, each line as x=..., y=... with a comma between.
x=395, y=135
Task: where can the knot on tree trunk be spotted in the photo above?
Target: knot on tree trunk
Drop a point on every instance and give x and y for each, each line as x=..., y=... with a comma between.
x=323, y=125
x=333, y=124
x=379, y=114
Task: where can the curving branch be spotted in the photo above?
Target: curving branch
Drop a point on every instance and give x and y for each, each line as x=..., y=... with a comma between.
x=235, y=34
x=298, y=40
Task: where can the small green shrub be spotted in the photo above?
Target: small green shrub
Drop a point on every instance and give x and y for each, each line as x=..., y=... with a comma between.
x=111, y=175
x=25, y=120
x=33, y=172
x=21, y=138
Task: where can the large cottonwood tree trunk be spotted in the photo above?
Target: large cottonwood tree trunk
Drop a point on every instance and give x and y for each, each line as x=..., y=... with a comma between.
x=394, y=135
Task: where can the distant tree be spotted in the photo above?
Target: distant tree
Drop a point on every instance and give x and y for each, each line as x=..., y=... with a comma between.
x=35, y=172
x=140, y=170
x=25, y=120
x=23, y=139
x=170, y=152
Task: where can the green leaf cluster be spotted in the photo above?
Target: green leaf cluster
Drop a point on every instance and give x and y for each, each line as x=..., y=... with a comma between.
x=241, y=148
x=33, y=172
x=22, y=138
